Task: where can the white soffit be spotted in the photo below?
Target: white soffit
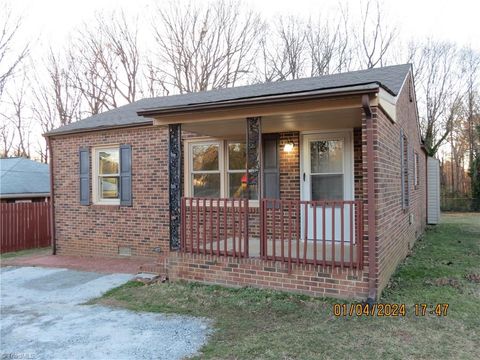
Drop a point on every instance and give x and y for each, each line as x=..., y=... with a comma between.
x=388, y=103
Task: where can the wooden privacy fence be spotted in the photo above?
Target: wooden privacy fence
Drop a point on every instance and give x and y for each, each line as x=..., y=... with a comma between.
x=24, y=226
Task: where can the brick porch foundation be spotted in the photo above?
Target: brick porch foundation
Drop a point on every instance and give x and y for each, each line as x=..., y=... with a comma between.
x=235, y=272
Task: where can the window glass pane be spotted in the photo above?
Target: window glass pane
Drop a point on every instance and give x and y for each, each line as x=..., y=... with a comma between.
x=206, y=185
x=109, y=187
x=108, y=161
x=327, y=187
x=326, y=156
x=236, y=156
x=237, y=184
x=205, y=157
x=253, y=192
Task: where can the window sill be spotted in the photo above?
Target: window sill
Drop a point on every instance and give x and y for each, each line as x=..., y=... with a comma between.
x=103, y=206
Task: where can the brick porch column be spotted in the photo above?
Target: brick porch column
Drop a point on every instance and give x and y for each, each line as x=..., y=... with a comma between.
x=174, y=182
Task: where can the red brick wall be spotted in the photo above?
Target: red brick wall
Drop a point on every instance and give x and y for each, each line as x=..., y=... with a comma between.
x=395, y=233
x=101, y=230
x=306, y=279
x=290, y=167
x=357, y=163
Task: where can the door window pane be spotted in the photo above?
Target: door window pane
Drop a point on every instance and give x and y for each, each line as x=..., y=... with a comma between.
x=206, y=185
x=237, y=184
x=109, y=187
x=108, y=161
x=326, y=156
x=327, y=187
x=205, y=157
x=236, y=156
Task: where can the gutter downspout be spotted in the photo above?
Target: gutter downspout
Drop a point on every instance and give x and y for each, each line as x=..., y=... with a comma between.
x=52, y=197
x=372, y=286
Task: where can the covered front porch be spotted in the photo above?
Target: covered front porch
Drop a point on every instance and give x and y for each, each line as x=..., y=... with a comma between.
x=297, y=196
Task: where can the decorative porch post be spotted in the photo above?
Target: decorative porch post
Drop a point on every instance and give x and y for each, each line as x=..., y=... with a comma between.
x=174, y=181
x=254, y=177
x=254, y=159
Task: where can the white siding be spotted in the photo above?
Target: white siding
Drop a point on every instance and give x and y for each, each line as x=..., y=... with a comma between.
x=433, y=190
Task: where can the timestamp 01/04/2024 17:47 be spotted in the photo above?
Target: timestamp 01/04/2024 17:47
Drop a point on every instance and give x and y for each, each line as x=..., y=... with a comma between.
x=389, y=310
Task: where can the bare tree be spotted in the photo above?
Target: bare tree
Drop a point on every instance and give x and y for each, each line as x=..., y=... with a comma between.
x=19, y=119
x=9, y=57
x=6, y=137
x=155, y=81
x=328, y=47
x=376, y=37
x=87, y=62
x=200, y=48
x=286, y=58
x=121, y=57
x=55, y=99
x=470, y=66
x=439, y=85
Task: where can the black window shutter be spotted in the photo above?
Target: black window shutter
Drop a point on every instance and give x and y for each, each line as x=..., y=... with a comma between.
x=126, y=175
x=271, y=167
x=84, y=155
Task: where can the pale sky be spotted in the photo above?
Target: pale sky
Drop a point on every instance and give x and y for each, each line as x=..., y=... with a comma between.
x=49, y=21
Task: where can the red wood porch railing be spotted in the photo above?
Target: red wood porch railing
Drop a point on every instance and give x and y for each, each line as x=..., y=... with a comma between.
x=214, y=226
x=291, y=231
x=327, y=233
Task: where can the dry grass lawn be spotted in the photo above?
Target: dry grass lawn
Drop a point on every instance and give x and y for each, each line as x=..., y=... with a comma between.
x=260, y=324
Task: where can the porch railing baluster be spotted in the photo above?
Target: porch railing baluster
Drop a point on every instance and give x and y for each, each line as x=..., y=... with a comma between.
x=305, y=230
x=333, y=233
x=315, y=233
x=280, y=220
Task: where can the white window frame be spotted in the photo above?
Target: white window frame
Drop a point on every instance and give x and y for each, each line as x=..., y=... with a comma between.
x=189, y=161
x=227, y=165
x=223, y=165
x=97, y=199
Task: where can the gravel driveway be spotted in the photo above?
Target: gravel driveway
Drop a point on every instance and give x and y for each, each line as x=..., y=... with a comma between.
x=42, y=318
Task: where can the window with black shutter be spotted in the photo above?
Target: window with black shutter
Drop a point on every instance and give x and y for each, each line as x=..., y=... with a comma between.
x=271, y=168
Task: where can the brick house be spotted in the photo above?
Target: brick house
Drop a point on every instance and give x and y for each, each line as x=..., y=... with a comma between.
x=315, y=185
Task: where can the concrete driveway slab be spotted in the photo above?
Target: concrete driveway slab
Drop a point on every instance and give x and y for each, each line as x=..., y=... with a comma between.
x=42, y=317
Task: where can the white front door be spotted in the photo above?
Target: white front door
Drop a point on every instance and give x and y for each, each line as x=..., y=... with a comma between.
x=327, y=166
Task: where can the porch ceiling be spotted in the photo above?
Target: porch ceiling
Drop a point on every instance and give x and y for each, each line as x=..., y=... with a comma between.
x=315, y=114
x=318, y=120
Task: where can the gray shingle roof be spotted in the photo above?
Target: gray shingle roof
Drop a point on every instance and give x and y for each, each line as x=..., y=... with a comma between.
x=391, y=78
x=23, y=176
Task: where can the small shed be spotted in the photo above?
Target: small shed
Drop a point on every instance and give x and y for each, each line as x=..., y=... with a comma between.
x=23, y=180
x=433, y=190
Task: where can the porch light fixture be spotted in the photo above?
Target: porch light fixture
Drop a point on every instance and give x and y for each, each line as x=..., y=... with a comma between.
x=288, y=147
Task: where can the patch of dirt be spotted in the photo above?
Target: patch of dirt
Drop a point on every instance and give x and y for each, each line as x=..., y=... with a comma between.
x=475, y=278
x=152, y=280
x=405, y=336
x=445, y=282
x=109, y=302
